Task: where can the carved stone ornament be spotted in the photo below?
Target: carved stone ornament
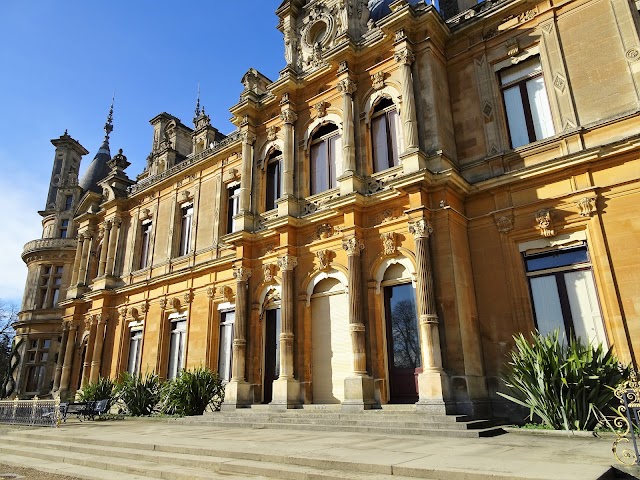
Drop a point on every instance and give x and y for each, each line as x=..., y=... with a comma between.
x=187, y=298
x=124, y=311
x=421, y=229
x=323, y=259
x=241, y=273
x=404, y=57
x=145, y=214
x=134, y=313
x=504, y=223
x=226, y=293
x=285, y=98
x=163, y=303
x=544, y=223
x=347, y=86
x=389, y=245
x=287, y=262
x=321, y=109
x=352, y=245
x=144, y=307
x=288, y=116
x=211, y=292
x=272, y=133
x=586, y=206
x=512, y=47
x=267, y=272
x=248, y=137
x=377, y=80
x=175, y=304
x=400, y=35
x=186, y=196
x=323, y=231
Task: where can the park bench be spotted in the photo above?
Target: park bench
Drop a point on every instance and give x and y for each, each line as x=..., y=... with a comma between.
x=84, y=410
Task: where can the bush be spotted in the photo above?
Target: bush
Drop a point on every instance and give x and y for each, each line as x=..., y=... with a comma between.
x=140, y=394
x=100, y=390
x=192, y=392
x=563, y=384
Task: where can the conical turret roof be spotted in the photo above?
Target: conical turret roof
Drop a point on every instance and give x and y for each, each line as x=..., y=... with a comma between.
x=98, y=168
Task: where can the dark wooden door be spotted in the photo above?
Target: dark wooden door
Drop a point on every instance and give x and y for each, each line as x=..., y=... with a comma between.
x=403, y=343
x=271, y=352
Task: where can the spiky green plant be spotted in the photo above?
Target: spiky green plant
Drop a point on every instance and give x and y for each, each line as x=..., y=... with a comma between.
x=101, y=390
x=563, y=383
x=192, y=392
x=139, y=393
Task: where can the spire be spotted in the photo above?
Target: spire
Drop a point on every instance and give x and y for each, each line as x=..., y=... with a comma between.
x=108, y=127
x=98, y=169
x=197, y=113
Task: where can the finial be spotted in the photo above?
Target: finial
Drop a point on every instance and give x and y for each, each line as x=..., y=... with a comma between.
x=197, y=113
x=66, y=132
x=108, y=127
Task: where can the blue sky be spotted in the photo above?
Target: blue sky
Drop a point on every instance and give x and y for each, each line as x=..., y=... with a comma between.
x=61, y=61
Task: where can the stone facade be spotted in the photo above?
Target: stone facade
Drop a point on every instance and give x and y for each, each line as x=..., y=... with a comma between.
x=456, y=216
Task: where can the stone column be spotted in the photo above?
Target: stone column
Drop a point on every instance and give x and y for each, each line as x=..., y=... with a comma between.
x=432, y=383
x=67, y=366
x=84, y=260
x=96, y=358
x=103, y=250
x=76, y=260
x=358, y=388
x=347, y=87
x=409, y=119
x=248, y=139
x=286, y=390
x=289, y=118
x=86, y=365
x=61, y=355
x=113, y=245
x=238, y=392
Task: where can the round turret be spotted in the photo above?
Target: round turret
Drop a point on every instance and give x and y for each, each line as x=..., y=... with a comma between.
x=380, y=8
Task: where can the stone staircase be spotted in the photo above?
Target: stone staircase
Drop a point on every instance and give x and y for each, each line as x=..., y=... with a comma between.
x=391, y=419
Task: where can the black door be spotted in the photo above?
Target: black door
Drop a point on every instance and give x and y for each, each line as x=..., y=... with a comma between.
x=403, y=343
x=271, y=352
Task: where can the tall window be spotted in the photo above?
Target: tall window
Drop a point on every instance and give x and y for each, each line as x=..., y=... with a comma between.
x=326, y=158
x=68, y=202
x=526, y=103
x=186, y=229
x=564, y=294
x=176, y=347
x=144, y=240
x=37, y=358
x=50, y=282
x=274, y=180
x=233, y=206
x=226, y=344
x=64, y=228
x=386, y=135
x=135, y=348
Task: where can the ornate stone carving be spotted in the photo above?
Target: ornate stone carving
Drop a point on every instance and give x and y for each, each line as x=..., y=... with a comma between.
x=352, y=245
x=512, y=47
x=347, y=86
x=288, y=116
x=544, y=223
x=321, y=109
x=226, y=293
x=404, y=57
x=175, y=304
x=323, y=231
x=287, y=262
x=389, y=245
x=187, y=298
x=123, y=313
x=559, y=83
x=323, y=259
x=586, y=206
x=211, y=292
x=377, y=80
x=285, y=99
x=421, y=229
x=400, y=35
x=133, y=312
x=272, y=133
x=144, y=307
x=163, y=303
x=504, y=223
x=633, y=54
x=267, y=272
x=248, y=137
x=528, y=15
x=241, y=273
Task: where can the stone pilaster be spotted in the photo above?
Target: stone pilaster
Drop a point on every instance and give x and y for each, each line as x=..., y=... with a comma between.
x=359, y=387
x=84, y=259
x=103, y=250
x=112, y=246
x=433, y=383
x=238, y=393
x=76, y=261
x=287, y=204
x=349, y=180
x=67, y=366
x=96, y=358
x=86, y=365
x=286, y=389
x=61, y=353
x=243, y=220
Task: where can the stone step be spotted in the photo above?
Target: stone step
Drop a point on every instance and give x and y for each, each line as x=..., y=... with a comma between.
x=178, y=466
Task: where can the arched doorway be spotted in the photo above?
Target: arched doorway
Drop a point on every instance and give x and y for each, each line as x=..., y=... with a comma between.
x=404, y=360
x=331, y=343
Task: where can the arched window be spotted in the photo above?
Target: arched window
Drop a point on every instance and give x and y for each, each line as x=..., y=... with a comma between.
x=386, y=135
x=326, y=158
x=274, y=179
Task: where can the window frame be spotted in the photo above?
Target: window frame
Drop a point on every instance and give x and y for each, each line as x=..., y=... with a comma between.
x=383, y=114
x=273, y=179
x=225, y=323
x=146, y=230
x=36, y=366
x=331, y=162
x=137, y=335
x=233, y=205
x=49, y=286
x=63, y=230
x=186, y=229
x=181, y=333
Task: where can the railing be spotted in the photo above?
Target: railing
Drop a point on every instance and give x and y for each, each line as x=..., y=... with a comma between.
x=36, y=412
x=48, y=243
x=627, y=423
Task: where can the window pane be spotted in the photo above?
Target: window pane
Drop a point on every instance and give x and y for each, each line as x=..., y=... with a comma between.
x=404, y=327
x=225, y=358
x=396, y=136
x=515, y=117
x=335, y=159
x=585, y=310
x=540, y=111
x=546, y=302
x=559, y=258
x=319, y=168
x=379, y=138
x=521, y=70
x=273, y=185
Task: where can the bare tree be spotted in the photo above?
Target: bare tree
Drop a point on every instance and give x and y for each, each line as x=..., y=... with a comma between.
x=8, y=315
x=406, y=340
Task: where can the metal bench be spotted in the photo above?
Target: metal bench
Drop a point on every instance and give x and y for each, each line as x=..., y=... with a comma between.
x=85, y=410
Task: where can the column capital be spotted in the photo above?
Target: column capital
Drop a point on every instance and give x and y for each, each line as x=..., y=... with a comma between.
x=107, y=225
x=421, y=229
x=241, y=273
x=352, y=245
x=287, y=262
x=88, y=235
x=248, y=138
x=346, y=86
x=404, y=56
x=288, y=116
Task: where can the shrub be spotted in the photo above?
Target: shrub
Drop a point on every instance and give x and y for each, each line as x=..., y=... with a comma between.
x=100, y=390
x=140, y=394
x=192, y=392
x=563, y=384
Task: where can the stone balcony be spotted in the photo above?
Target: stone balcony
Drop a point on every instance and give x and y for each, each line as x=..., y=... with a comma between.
x=43, y=244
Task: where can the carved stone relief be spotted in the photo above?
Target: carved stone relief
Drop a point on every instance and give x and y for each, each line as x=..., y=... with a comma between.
x=586, y=206
x=545, y=223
